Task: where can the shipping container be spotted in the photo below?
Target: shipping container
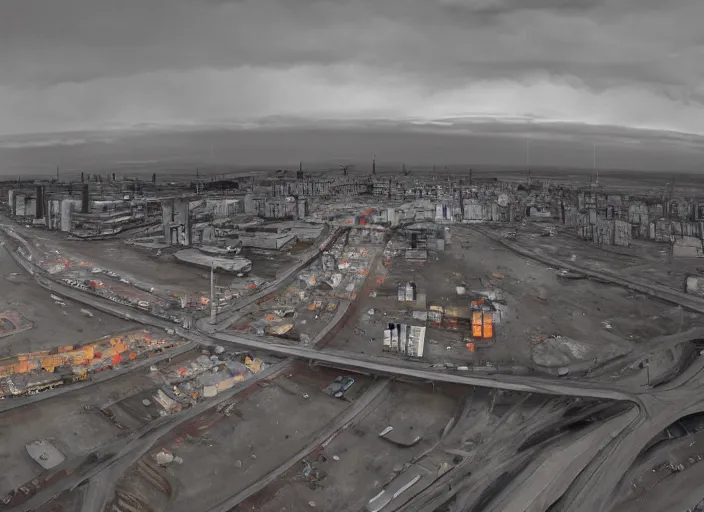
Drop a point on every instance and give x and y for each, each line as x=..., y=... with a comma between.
x=488, y=323
x=476, y=324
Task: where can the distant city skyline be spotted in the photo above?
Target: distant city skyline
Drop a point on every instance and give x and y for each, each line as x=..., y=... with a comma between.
x=479, y=144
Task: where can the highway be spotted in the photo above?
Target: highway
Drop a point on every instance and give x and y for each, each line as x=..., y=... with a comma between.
x=525, y=384
x=593, y=490
x=528, y=384
x=363, y=404
x=665, y=293
x=581, y=477
x=553, y=471
x=128, y=451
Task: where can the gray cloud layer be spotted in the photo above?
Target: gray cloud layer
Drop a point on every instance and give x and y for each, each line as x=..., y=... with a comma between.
x=77, y=64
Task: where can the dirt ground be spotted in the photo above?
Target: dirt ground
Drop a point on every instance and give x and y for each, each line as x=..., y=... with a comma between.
x=537, y=304
x=66, y=502
x=163, y=272
x=72, y=422
x=656, y=473
x=357, y=463
x=53, y=324
x=643, y=259
x=268, y=424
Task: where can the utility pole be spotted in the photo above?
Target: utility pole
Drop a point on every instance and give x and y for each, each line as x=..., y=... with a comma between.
x=213, y=299
x=57, y=174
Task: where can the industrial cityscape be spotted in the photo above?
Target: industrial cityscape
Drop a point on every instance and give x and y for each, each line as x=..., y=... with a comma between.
x=373, y=339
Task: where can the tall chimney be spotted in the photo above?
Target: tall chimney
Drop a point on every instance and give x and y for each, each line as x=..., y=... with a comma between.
x=39, y=212
x=85, y=199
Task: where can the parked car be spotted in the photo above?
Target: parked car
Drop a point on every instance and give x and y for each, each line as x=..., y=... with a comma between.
x=340, y=386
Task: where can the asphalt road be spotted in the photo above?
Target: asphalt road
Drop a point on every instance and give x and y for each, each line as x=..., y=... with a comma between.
x=526, y=384
x=345, y=420
x=138, y=444
x=583, y=477
x=665, y=293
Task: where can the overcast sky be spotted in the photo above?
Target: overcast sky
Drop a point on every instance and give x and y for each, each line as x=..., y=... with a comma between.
x=85, y=64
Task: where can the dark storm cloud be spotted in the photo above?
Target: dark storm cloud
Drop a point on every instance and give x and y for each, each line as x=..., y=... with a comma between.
x=45, y=41
x=492, y=8
x=78, y=63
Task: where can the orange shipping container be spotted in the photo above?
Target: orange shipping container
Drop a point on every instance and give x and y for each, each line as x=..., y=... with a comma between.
x=51, y=362
x=488, y=325
x=476, y=324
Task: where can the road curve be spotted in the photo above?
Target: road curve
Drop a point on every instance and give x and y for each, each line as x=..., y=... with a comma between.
x=552, y=472
x=341, y=422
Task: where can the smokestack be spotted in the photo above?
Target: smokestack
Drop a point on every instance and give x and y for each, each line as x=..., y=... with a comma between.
x=39, y=212
x=154, y=178
x=85, y=199
x=113, y=176
x=82, y=177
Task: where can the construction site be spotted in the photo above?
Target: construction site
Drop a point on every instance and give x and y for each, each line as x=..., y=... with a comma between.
x=378, y=340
